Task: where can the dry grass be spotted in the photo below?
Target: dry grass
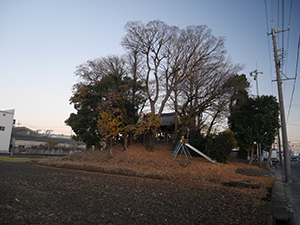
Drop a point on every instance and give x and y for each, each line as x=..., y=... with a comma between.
x=137, y=161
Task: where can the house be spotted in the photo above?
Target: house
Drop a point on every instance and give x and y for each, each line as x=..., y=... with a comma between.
x=6, y=123
x=166, y=128
x=25, y=140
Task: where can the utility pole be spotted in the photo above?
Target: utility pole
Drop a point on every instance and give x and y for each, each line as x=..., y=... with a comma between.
x=279, y=148
x=254, y=74
x=282, y=113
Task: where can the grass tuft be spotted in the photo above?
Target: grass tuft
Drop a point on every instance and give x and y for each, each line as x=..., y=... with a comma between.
x=14, y=159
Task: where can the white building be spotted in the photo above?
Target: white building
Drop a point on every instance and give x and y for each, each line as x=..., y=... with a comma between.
x=6, y=123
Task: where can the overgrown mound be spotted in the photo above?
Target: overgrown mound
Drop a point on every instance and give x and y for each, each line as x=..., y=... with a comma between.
x=160, y=164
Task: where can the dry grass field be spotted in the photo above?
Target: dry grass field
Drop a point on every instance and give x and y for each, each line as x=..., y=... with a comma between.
x=160, y=164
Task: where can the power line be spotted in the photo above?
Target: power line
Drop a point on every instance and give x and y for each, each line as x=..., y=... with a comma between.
x=269, y=44
x=291, y=6
x=296, y=72
x=288, y=37
x=278, y=12
x=272, y=10
x=282, y=26
x=278, y=20
x=266, y=11
x=285, y=16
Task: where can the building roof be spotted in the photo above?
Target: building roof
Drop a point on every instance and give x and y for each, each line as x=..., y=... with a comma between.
x=24, y=133
x=167, y=119
x=10, y=111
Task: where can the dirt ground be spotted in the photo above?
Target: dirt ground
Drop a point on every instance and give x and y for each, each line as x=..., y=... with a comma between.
x=133, y=187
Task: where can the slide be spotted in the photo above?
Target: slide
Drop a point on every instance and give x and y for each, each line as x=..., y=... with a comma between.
x=200, y=153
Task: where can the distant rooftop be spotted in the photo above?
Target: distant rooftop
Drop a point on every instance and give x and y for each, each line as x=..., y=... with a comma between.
x=24, y=133
x=167, y=119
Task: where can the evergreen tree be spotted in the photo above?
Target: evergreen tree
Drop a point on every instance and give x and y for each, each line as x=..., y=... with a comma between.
x=257, y=120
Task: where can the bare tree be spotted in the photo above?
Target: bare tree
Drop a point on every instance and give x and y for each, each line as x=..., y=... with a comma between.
x=203, y=90
x=150, y=41
x=188, y=63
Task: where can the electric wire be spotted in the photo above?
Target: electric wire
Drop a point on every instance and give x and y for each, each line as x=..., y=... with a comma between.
x=291, y=5
x=266, y=12
x=296, y=72
x=278, y=6
x=282, y=27
x=283, y=51
x=272, y=10
x=278, y=19
x=288, y=37
x=269, y=44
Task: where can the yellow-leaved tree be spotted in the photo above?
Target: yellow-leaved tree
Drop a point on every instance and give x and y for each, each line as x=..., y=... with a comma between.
x=110, y=127
x=149, y=124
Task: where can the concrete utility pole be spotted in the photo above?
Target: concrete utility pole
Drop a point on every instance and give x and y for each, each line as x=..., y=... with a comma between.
x=279, y=148
x=282, y=113
x=254, y=74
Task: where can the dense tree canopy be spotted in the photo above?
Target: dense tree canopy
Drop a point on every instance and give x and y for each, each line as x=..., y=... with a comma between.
x=104, y=101
x=256, y=120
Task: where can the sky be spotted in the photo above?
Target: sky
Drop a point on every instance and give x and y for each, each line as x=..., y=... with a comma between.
x=42, y=42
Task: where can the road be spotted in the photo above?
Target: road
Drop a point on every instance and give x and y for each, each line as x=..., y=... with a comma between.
x=37, y=195
x=294, y=188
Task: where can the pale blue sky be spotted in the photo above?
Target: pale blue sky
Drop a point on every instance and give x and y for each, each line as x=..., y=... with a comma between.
x=42, y=42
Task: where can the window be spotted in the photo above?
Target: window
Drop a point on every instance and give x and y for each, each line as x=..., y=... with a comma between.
x=2, y=128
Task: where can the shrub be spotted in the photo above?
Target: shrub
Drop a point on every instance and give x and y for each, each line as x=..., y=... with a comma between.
x=199, y=142
x=218, y=147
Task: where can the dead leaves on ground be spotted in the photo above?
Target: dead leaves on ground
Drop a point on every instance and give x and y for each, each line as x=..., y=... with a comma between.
x=137, y=161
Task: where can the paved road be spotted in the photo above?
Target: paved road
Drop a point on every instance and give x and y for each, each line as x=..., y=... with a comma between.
x=285, y=204
x=37, y=195
x=294, y=189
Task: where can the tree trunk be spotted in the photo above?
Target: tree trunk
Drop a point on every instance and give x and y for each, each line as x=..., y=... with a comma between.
x=130, y=141
x=151, y=140
x=109, y=145
x=212, y=123
x=125, y=147
x=261, y=155
x=175, y=129
x=269, y=158
x=252, y=152
x=176, y=112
